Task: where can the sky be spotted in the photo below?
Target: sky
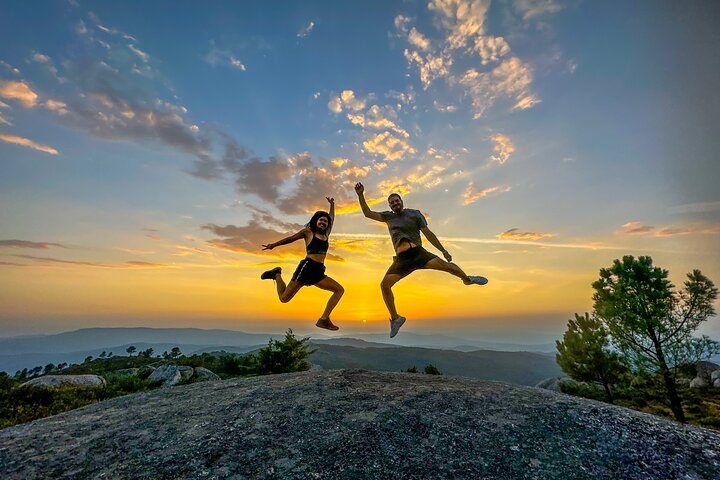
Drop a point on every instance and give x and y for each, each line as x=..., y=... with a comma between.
x=148, y=149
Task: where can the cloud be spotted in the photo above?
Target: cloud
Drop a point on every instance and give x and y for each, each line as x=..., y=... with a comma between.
x=634, y=228
x=503, y=148
x=464, y=19
x=129, y=264
x=28, y=244
x=390, y=147
x=9, y=67
x=263, y=228
x=56, y=106
x=377, y=118
x=512, y=78
x=418, y=40
x=26, y=142
x=305, y=31
x=217, y=56
x=443, y=108
x=346, y=101
x=462, y=23
x=472, y=195
x=262, y=178
x=638, y=229
x=514, y=234
x=491, y=49
x=20, y=91
x=698, y=207
x=535, y=8
x=431, y=66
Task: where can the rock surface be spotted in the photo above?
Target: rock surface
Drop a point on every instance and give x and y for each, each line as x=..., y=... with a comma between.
x=202, y=374
x=65, y=380
x=357, y=424
x=170, y=375
x=698, y=382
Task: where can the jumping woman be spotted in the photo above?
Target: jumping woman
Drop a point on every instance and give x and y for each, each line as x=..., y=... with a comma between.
x=311, y=270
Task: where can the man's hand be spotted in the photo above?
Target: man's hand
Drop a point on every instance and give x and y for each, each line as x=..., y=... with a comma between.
x=330, y=200
x=447, y=255
x=359, y=188
x=269, y=246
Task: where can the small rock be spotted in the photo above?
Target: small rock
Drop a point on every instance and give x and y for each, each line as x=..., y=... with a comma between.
x=63, y=380
x=716, y=383
x=203, y=374
x=715, y=375
x=170, y=374
x=698, y=382
x=704, y=369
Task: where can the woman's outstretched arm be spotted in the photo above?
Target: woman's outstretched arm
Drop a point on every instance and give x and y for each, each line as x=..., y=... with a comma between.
x=286, y=240
x=332, y=213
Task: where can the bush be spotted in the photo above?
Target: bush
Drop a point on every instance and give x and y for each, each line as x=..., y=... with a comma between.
x=290, y=355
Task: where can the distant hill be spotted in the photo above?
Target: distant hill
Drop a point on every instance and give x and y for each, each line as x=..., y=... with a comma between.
x=523, y=368
x=353, y=424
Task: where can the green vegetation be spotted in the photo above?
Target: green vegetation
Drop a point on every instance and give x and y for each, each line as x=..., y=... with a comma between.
x=640, y=342
x=126, y=375
x=430, y=369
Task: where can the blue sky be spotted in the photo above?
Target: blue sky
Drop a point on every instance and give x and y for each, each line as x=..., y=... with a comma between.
x=571, y=123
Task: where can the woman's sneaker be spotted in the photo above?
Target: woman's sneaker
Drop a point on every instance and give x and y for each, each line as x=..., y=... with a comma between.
x=326, y=324
x=478, y=280
x=395, y=325
x=271, y=274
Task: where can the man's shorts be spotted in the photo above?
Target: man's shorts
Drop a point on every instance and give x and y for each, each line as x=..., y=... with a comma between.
x=410, y=260
x=309, y=272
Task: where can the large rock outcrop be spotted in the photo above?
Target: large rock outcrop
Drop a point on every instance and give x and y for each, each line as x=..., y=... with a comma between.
x=357, y=424
x=66, y=380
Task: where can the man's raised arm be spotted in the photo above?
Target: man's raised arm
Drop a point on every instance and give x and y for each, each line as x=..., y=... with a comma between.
x=360, y=190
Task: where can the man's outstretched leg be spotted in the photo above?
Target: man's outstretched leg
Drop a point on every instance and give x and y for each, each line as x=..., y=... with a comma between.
x=396, y=321
x=440, y=264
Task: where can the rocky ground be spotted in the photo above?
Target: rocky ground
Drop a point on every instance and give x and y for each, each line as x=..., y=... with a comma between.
x=356, y=424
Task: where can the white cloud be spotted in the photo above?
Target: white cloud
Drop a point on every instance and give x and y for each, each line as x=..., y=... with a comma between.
x=347, y=101
x=418, y=40
x=443, y=108
x=305, y=31
x=142, y=55
x=535, y=8
x=430, y=66
x=402, y=23
x=56, y=106
x=26, y=142
x=490, y=48
x=40, y=58
x=217, y=56
x=390, y=147
x=472, y=194
x=503, y=148
x=512, y=78
x=464, y=19
x=19, y=91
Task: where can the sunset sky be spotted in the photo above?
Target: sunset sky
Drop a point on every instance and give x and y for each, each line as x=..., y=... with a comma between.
x=148, y=149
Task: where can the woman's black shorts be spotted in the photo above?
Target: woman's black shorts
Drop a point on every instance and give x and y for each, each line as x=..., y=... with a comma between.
x=410, y=260
x=309, y=272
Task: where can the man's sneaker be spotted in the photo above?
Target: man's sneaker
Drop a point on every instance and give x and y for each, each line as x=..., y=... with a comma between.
x=271, y=274
x=326, y=324
x=478, y=280
x=395, y=325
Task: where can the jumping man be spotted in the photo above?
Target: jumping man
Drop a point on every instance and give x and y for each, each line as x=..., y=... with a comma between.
x=405, y=226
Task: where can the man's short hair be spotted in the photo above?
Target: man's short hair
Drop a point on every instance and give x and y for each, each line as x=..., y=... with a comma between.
x=394, y=195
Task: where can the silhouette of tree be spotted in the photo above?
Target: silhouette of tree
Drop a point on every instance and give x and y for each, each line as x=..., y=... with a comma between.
x=175, y=352
x=130, y=350
x=431, y=369
x=412, y=369
x=289, y=355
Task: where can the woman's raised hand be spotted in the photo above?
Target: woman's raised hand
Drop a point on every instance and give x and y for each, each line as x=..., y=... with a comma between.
x=359, y=188
x=269, y=246
x=330, y=200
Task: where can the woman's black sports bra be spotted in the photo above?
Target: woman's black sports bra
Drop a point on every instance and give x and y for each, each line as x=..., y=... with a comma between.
x=317, y=246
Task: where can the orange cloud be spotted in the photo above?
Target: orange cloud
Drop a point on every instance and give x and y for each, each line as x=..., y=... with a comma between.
x=472, y=195
x=513, y=234
x=26, y=142
x=19, y=91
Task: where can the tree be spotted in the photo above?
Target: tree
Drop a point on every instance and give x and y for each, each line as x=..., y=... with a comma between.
x=48, y=369
x=290, y=355
x=103, y=354
x=88, y=359
x=412, y=369
x=147, y=353
x=651, y=322
x=175, y=352
x=585, y=356
x=130, y=350
x=431, y=369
